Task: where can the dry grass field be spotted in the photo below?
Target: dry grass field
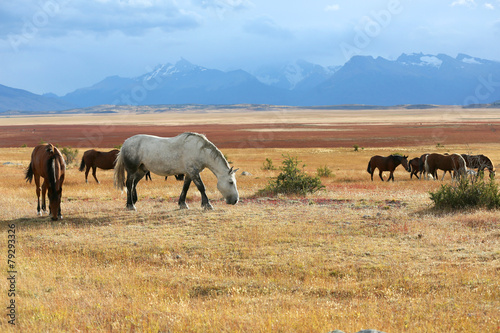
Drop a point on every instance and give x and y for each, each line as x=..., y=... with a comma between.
x=358, y=254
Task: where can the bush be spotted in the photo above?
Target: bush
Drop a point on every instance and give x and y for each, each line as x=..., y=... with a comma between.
x=292, y=180
x=69, y=154
x=268, y=165
x=467, y=194
x=324, y=171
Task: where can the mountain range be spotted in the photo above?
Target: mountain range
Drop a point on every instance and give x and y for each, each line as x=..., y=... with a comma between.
x=410, y=79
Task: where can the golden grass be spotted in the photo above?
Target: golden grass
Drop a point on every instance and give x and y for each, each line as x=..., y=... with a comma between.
x=359, y=254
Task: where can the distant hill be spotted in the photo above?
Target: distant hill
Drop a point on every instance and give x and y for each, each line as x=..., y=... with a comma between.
x=417, y=79
x=22, y=100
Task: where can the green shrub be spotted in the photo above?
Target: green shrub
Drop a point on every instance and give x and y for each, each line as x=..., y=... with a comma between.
x=69, y=154
x=467, y=194
x=324, y=171
x=292, y=180
x=268, y=165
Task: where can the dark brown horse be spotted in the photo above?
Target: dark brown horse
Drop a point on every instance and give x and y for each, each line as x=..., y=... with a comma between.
x=414, y=167
x=479, y=162
x=48, y=163
x=97, y=159
x=447, y=163
x=388, y=163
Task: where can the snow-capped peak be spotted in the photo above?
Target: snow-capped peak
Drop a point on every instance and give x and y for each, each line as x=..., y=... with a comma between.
x=420, y=59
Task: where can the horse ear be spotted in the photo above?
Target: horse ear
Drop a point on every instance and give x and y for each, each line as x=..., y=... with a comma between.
x=231, y=172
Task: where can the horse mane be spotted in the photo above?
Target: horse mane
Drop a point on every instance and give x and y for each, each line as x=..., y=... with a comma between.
x=51, y=172
x=207, y=144
x=397, y=157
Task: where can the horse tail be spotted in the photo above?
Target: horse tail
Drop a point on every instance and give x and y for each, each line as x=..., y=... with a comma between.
x=82, y=165
x=462, y=168
x=369, y=168
x=29, y=173
x=119, y=176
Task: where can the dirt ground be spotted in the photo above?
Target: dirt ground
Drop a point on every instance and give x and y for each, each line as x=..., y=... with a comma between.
x=276, y=129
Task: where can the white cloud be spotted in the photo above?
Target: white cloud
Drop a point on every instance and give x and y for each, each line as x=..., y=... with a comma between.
x=265, y=26
x=224, y=4
x=468, y=3
x=489, y=6
x=332, y=8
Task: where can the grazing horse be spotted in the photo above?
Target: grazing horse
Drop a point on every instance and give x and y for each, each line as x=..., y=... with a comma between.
x=479, y=162
x=187, y=154
x=48, y=163
x=453, y=162
x=388, y=163
x=97, y=159
x=414, y=167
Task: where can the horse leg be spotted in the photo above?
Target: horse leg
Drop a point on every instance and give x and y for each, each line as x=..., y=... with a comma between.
x=137, y=177
x=391, y=176
x=380, y=175
x=87, y=169
x=44, y=192
x=38, y=190
x=185, y=188
x=130, y=190
x=205, y=203
x=94, y=169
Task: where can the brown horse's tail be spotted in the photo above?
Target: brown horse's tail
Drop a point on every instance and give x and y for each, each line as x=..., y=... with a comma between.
x=82, y=165
x=29, y=173
x=119, y=177
x=369, y=168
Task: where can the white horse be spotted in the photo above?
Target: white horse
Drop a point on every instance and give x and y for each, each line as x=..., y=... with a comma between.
x=187, y=153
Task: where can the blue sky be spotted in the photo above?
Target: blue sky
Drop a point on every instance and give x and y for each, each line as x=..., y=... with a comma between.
x=61, y=45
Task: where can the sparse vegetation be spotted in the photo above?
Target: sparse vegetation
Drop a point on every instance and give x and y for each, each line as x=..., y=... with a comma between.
x=356, y=148
x=292, y=180
x=467, y=194
x=268, y=165
x=324, y=171
x=69, y=154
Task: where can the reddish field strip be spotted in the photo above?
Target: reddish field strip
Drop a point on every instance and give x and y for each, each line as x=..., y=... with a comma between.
x=261, y=135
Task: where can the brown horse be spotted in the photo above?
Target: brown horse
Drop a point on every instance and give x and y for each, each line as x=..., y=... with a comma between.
x=414, y=167
x=96, y=159
x=447, y=163
x=479, y=162
x=388, y=163
x=48, y=163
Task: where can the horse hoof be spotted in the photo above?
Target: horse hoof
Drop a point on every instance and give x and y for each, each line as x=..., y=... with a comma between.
x=208, y=207
x=183, y=206
x=131, y=207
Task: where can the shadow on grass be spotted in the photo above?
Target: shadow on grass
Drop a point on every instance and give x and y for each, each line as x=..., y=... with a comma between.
x=110, y=217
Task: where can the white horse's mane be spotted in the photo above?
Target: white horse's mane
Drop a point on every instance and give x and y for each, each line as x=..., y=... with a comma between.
x=207, y=144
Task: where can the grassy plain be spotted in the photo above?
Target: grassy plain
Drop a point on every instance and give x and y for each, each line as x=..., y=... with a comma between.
x=359, y=254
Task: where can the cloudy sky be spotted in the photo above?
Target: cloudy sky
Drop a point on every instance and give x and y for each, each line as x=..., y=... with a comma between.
x=61, y=45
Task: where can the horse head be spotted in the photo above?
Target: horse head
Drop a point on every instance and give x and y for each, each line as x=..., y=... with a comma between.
x=55, y=196
x=226, y=183
x=404, y=162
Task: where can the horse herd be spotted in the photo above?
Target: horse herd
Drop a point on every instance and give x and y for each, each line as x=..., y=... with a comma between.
x=188, y=154
x=429, y=164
